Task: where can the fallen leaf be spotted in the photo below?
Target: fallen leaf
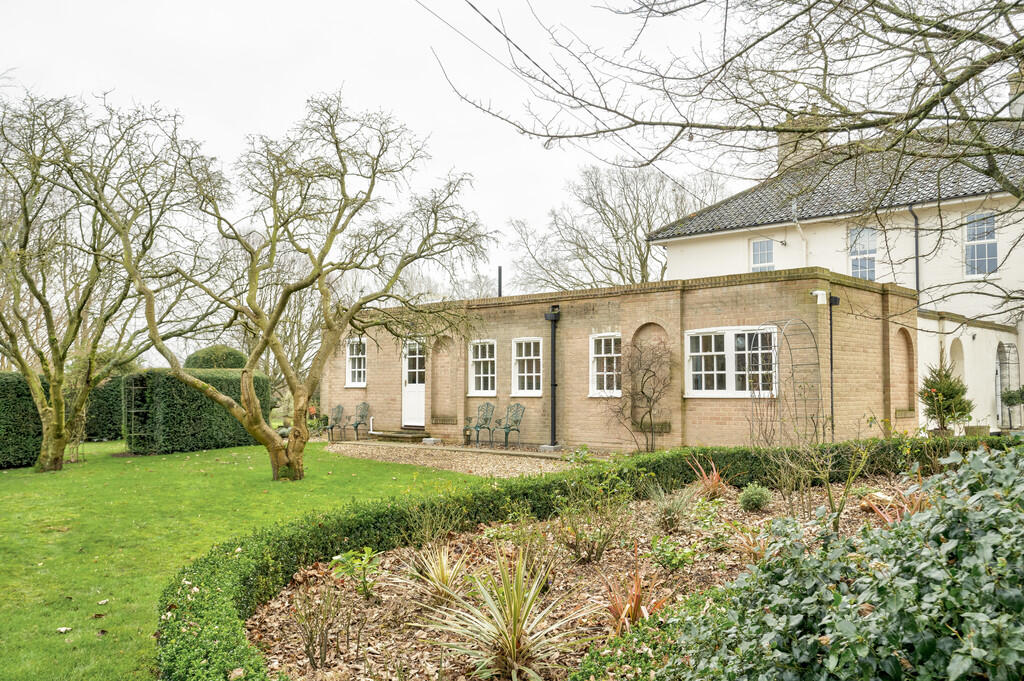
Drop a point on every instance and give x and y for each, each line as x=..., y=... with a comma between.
x=99, y=615
x=101, y=632
x=103, y=602
x=236, y=674
x=63, y=630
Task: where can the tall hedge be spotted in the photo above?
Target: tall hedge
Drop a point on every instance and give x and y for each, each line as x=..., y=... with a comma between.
x=21, y=433
x=201, y=634
x=105, y=411
x=163, y=415
x=215, y=357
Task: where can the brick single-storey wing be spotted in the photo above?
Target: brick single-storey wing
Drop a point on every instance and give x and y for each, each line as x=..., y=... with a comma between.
x=708, y=324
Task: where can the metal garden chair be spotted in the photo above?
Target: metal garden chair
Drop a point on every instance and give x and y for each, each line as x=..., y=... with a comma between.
x=362, y=417
x=338, y=421
x=510, y=422
x=484, y=414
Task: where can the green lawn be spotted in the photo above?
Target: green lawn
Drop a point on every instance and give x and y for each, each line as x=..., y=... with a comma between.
x=116, y=529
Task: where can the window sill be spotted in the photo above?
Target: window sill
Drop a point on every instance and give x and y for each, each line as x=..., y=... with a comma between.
x=606, y=393
x=532, y=394
x=492, y=393
x=355, y=385
x=724, y=394
x=994, y=276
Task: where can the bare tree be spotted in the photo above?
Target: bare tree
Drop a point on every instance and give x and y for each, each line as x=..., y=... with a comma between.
x=317, y=196
x=896, y=86
x=299, y=331
x=646, y=381
x=600, y=239
x=62, y=295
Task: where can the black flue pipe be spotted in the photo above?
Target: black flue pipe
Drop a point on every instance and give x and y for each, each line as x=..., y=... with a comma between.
x=553, y=316
x=832, y=302
x=499, y=281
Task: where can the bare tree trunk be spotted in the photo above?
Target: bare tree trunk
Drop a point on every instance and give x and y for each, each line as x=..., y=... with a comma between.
x=298, y=436
x=55, y=440
x=285, y=455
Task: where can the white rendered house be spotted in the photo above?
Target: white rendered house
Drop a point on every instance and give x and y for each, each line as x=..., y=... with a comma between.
x=942, y=229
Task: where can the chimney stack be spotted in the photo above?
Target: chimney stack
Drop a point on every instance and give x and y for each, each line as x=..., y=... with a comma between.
x=796, y=147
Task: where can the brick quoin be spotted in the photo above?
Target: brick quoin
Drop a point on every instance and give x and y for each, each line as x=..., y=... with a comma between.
x=874, y=332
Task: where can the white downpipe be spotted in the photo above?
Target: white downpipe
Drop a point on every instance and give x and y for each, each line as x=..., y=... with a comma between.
x=372, y=431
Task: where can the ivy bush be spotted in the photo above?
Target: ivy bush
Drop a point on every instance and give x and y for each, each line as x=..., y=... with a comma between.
x=215, y=357
x=937, y=596
x=202, y=612
x=21, y=433
x=174, y=417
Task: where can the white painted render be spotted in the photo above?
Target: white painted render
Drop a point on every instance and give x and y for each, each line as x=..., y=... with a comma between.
x=944, y=285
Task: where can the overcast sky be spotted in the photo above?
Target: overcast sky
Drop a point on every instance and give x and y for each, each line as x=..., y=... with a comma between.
x=235, y=68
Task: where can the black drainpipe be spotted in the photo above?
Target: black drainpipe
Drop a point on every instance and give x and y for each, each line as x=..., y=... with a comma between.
x=832, y=302
x=552, y=317
x=917, y=250
x=499, y=281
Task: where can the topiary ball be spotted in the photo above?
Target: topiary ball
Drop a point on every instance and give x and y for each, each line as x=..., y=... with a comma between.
x=215, y=357
x=755, y=497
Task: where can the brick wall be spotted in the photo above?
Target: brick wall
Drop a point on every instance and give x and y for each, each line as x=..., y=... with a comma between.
x=874, y=357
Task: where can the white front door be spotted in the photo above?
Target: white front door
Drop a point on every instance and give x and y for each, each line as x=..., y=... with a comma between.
x=414, y=384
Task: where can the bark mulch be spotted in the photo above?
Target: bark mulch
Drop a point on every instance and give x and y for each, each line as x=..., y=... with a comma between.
x=380, y=639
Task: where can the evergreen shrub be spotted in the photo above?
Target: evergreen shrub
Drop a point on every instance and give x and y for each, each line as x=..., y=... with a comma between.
x=21, y=432
x=215, y=357
x=938, y=595
x=105, y=411
x=163, y=415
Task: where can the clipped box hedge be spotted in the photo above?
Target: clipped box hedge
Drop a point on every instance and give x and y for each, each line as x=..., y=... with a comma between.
x=105, y=411
x=201, y=634
x=21, y=432
x=170, y=416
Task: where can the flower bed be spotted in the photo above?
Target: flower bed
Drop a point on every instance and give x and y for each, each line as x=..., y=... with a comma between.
x=383, y=637
x=202, y=636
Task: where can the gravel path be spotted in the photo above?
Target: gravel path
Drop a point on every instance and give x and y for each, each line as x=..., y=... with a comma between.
x=460, y=460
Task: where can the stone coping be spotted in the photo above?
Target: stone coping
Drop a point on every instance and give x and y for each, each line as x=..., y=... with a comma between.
x=746, y=278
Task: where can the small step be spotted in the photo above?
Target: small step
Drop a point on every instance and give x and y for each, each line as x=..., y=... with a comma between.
x=404, y=435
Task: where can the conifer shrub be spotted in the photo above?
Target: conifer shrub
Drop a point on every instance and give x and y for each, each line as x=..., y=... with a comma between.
x=944, y=396
x=755, y=497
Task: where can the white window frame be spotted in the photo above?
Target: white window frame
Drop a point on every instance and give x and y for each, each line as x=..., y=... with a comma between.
x=730, y=333
x=594, y=392
x=862, y=253
x=349, y=383
x=471, y=391
x=515, y=392
x=994, y=240
x=765, y=266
